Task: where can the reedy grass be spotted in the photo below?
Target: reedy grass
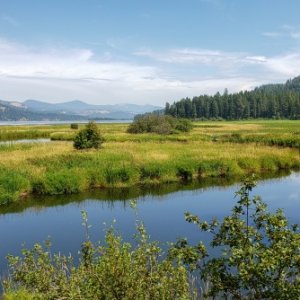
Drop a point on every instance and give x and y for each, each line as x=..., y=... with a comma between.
x=10, y=135
x=56, y=168
x=211, y=149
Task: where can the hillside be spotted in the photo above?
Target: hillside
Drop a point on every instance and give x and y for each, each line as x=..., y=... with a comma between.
x=292, y=85
x=117, y=111
x=280, y=101
x=15, y=112
x=35, y=110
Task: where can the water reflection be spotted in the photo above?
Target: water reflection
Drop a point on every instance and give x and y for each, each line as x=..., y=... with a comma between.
x=160, y=207
x=109, y=195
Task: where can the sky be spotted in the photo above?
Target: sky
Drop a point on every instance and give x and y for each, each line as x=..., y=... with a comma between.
x=144, y=51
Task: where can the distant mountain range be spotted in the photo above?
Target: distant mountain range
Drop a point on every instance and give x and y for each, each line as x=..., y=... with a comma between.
x=34, y=110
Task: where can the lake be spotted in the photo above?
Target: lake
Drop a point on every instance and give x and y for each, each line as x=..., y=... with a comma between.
x=13, y=123
x=162, y=210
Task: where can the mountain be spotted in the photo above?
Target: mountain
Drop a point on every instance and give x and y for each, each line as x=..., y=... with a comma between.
x=72, y=106
x=15, y=111
x=117, y=111
x=292, y=85
x=35, y=110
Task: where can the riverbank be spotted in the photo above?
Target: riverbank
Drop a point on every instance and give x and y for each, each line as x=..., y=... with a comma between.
x=127, y=160
x=163, y=216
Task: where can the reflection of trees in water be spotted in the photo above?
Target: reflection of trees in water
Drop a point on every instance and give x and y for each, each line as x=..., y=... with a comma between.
x=112, y=196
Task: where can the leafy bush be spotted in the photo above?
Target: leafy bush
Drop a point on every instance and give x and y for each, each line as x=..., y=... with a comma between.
x=184, y=173
x=89, y=137
x=114, y=271
x=159, y=124
x=259, y=252
x=74, y=126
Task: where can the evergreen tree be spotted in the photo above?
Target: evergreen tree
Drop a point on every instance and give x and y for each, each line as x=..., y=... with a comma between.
x=268, y=101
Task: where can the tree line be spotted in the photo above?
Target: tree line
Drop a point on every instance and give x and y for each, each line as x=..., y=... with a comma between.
x=280, y=101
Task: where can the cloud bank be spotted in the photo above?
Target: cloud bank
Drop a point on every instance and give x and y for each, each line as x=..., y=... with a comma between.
x=148, y=76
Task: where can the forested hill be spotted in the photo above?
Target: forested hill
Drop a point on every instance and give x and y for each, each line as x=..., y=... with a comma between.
x=267, y=101
x=9, y=112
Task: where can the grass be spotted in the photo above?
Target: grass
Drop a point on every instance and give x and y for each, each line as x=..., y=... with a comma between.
x=211, y=149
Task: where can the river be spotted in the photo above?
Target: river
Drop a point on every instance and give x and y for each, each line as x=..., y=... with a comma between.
x=13, y=123
x=161, y=209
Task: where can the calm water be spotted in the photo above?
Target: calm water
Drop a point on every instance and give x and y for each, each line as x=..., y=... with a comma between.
x=25, y=141
x=162, y=213
x=8, y=123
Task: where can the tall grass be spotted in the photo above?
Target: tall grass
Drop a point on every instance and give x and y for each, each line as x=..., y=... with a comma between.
x=286, y=140
x=128, y=160
x=10, y=135
x=13, y=183
x=56, y=168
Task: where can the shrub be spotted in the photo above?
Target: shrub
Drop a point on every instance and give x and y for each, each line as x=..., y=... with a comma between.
x=258, y=252
x=115, y=270
x=184, y=173
x=159, y=124
x=89, y=137
x=184, y=125
x=74, y=126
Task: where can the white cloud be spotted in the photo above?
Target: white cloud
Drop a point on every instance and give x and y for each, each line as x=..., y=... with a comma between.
x=59, y=74
x=287, y=64
x=256, y=59
x=201, y=56
x=272, y=34
x=68, y=64
x=284, y=31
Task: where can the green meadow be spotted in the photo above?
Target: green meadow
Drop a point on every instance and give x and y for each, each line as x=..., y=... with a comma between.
x=211, y=149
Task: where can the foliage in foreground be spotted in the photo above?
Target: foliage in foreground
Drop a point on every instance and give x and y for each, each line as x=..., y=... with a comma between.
x=89, y=137
x=159, y=124
x=259, y=259
x=115, y=270
x=260, y=252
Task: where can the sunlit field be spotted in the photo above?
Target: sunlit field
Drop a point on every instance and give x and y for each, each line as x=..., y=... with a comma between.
x=211, y=149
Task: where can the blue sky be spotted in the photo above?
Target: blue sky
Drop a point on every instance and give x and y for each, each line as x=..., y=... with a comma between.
x=138, y=51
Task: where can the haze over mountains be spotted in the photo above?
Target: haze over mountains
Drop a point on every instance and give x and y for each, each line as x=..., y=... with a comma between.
x=266, y=101
x=35, y=110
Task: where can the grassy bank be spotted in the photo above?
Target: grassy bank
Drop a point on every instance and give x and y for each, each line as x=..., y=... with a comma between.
x=110, y=195
x=139, y=159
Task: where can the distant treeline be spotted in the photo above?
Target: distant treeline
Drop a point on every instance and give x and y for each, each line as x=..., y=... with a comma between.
x=280, y=101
